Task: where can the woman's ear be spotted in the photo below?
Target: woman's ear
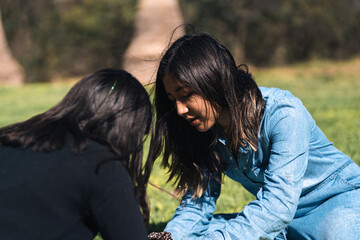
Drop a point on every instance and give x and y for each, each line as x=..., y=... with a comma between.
x=216, y=109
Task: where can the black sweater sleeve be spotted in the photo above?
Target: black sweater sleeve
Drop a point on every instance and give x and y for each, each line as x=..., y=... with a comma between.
x=113, y=204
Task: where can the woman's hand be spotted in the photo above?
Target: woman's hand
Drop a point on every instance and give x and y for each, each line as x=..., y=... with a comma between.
x=160, y=236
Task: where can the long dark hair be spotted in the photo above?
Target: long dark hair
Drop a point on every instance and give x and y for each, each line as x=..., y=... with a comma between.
x=201, y=63
x=109, y=106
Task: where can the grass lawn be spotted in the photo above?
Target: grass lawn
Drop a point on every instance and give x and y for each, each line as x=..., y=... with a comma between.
x=329, y=90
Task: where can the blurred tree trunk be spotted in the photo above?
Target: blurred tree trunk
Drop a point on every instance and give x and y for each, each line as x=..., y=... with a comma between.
x=10, y=71
x=155, y=22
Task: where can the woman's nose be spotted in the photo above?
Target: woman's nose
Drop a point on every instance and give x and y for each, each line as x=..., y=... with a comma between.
x=181, y=108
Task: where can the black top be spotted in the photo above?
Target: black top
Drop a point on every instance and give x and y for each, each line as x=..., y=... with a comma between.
x=59, y=195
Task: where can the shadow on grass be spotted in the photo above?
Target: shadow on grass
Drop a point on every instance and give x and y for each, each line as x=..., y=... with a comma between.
x=156, y=227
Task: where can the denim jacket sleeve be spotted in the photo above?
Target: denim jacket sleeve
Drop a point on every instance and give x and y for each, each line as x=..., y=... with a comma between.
x=287, y=132
x=193, y=216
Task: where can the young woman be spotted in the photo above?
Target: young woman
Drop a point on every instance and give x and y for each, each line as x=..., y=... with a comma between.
x=212, y=119
x=76, y=169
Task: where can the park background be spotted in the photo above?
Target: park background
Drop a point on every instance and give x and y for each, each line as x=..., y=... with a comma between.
x=311, y=48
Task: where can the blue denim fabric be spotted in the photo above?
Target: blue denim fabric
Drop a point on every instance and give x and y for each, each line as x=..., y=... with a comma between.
x=287, y=174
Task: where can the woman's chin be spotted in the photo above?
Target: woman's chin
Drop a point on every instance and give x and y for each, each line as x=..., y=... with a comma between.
x=202, y=128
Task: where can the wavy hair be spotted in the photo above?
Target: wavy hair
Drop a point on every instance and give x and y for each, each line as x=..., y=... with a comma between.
x=201, y=63
x=109, y=106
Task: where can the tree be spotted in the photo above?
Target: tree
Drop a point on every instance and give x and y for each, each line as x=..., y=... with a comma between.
x=61, y=38
x=279, y=32
x=94, y=34
x=155, y=22
x=10, y=72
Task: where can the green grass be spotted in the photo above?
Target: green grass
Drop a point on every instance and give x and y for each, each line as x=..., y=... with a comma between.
x=21, y=103
x=329, y=90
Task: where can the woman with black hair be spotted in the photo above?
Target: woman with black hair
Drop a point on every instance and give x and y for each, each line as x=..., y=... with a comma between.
x=76, y=169
x=213, y=119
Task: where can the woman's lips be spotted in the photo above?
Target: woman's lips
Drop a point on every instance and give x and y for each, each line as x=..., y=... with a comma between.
x=193, y=121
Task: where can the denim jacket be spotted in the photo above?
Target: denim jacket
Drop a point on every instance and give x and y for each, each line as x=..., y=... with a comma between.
x=293, y=158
